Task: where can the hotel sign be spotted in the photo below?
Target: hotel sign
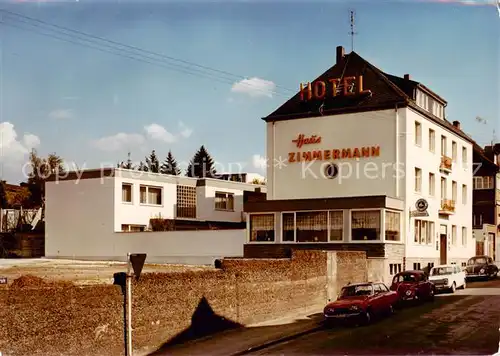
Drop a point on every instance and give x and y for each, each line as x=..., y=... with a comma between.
x=320, y=89
x=328, y=154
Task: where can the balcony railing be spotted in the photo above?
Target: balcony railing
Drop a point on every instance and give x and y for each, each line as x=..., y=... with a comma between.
x=447, y=206
x=446, y=164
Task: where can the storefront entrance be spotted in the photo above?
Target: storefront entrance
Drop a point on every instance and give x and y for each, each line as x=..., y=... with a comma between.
x=443, y=245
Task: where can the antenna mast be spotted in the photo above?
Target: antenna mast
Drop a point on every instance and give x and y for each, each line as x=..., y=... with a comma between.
x=352, y=33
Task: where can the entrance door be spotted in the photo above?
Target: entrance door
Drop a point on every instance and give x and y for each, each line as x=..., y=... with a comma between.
x=479, y=248
x=443, y=249
x=491, y=245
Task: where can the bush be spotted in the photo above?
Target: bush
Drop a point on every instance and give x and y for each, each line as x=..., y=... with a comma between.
x=158, y=224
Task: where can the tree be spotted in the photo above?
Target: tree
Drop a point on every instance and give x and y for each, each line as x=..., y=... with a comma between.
x=126, y=165
x=170, y=166
x=142, y=167
x=201, y=165
x=3, y=195
x=258, y=181
x=153, y=163
x=41, y=170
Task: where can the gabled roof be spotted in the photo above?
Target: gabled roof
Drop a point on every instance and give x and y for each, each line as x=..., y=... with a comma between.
x=388, y=92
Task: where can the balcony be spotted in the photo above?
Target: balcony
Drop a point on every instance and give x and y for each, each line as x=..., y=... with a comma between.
x=446, y=164
x=447, y=207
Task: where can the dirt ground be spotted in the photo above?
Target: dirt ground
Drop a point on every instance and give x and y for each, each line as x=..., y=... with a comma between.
x=79, y=272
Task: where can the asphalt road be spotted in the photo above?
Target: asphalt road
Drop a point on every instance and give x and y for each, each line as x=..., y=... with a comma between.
x=464, y=323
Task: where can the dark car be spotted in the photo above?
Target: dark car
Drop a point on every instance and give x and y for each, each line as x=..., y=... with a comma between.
x=361, y=302
x=481, y=267
x=413, y=286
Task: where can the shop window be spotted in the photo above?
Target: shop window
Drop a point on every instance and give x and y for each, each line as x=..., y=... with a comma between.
x=262, y=228
x=312, y=226
x=365, y=225
x=288, y=227
x=336, y=225
x=392, y=226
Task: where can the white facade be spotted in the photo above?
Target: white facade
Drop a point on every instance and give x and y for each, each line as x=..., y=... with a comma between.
x=403, y=147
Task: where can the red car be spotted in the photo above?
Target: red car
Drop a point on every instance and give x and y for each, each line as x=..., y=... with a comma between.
x=361, y=302
x=413, y=286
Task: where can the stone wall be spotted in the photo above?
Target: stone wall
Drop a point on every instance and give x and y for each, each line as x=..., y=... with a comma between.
x=47, y=318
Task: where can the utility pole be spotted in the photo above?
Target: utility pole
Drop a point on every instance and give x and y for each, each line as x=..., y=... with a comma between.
x=128, y=288
x=352, y=33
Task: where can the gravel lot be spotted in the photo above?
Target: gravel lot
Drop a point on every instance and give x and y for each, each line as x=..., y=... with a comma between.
x=79, y=272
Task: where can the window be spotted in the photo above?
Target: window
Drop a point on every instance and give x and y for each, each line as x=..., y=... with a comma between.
x=133, y=228
x=150, y=195
x=483, y=183
x=432, y=184
x=443, y=188
x=432, y=140
x=365, y=225
x=336, y=225
x=261, y=227
x=464, y=194
x=418, y=180
x=311, y=226
x=392, y=226
x=424, y=232
x=126, y=193
x=288, y=229
x=224, y=201
x=454, y=191
x=430, y=106
x=443, y=146
x=454, y=152
x=418, y=133
x=453, y=235
x=186, y=202
x=394, y=268
x=416, y=266
x=464, y=157
x=477, y=219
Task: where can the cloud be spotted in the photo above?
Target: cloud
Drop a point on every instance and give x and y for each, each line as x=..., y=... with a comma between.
x=61, y=114
x=259, y=162
x=158, y=132
x=254, y=87
x=185, y=131
x=465, y=2
x=14, y=151
x=118, y=142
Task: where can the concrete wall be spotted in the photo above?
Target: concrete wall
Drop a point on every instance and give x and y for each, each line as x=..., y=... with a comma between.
x=357, y=177
x=429, y=162
x=62, y=319
x=185, y=247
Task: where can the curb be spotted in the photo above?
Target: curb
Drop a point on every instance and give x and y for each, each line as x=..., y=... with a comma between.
x=279, y=341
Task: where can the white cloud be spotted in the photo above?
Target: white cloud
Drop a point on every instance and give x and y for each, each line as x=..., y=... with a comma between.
x=118, y=142
x=14, y=151
x=61, y=114
x=158, y=132
x=185, y=131
x=259, y=162
x=254, y=87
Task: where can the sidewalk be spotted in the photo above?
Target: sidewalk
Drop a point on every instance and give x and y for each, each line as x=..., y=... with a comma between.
x=234, y=342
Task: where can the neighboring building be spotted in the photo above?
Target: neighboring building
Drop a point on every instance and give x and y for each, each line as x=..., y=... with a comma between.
x=486, y=201
x=117, y=200
x=354, y=151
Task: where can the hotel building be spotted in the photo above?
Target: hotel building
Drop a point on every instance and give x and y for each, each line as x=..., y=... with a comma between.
x=366, y=161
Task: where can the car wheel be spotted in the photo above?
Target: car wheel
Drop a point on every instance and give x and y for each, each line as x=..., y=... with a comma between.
x=431, y=295
x=453, y=287
x=367, y=317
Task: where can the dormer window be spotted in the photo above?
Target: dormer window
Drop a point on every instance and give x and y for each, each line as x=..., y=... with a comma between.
x=429, y=104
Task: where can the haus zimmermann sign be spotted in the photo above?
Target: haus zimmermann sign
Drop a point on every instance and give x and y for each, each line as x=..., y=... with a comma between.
x=328, y=154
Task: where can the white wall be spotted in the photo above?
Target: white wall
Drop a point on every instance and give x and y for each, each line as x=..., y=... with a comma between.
x=358, y=177
x=429, y=162
x=184, y=247
x=77, y=210
x=206, y=204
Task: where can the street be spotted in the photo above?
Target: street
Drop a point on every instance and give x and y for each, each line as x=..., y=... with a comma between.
x=464, y=323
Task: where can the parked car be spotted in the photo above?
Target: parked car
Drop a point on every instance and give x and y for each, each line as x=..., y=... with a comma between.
x=447, y=277
x=413, y=286
x=481, y=267
x=360, y=303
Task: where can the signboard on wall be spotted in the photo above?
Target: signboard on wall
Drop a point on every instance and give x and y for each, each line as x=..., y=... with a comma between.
x=321, y=89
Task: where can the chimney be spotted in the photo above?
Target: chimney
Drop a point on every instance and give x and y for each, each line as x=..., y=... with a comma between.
x=456, y=124
x=407, y=77
x=340, y=54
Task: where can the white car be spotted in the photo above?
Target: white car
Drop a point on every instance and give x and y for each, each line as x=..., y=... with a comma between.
x=447, y=277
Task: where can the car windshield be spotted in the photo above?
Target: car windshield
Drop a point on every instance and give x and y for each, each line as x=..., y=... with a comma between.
x=439, y=271
x=352, y=291
x=477, y=261
x=407, y=277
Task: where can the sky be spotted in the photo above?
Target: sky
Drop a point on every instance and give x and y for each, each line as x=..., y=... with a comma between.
x=196, y=73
